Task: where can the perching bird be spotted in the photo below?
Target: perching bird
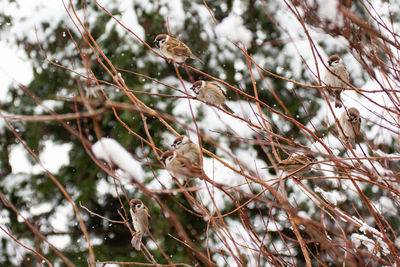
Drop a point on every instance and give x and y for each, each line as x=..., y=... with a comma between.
x=212, y=93
x=334, y=83
x=140, y=220
x=296, y=162
x=184, y=146
x=180, y=166
x=172, y=48
x=350, y=122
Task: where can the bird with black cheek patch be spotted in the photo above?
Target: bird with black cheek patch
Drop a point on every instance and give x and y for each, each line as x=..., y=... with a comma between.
x=172, y=48
x=350, y=121
x=180, y=166
x=336, y=78
x=140, y=220
x=184, y=146
x=211, y=93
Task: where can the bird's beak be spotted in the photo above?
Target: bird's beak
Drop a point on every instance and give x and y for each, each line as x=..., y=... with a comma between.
x=155, y=42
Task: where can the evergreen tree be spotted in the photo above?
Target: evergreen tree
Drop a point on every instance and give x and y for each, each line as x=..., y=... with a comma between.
x=97, y=68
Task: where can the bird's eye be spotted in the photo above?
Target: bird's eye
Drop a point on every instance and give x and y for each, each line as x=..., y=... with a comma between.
x=178, y=143
x=138, y=206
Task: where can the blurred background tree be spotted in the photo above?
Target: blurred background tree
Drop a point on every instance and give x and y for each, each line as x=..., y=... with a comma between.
x=279, y=44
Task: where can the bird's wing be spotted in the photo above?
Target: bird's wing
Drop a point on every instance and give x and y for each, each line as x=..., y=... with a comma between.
x=186, y=163
x=196, y=152
x=294, y=160
x=179, y=48
x=148, y=216
x=144, y=220
x=285, y=162
x=357, y=127
x=346, y=75
x=222, y=90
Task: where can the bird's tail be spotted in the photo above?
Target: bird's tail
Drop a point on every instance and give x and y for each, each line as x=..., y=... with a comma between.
x=353, y=143
x=268, y=167
x=338, y=101
x=137, y=241
x=196, y=58
x=225, y=106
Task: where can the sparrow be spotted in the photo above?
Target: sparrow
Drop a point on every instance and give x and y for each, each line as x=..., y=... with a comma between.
x=350, y=121
x=184, y=146
x=296, y=162
x=180, y=166
x=140, y=220
x=211, y=93
x=334, y=83
x=172, y=48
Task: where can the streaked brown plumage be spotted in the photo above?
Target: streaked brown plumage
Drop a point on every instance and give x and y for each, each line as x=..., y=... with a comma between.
x=172, y=48
x=212, y=93
x=350, y=122
x=296, y=162
x=335, y=84
x=184, y=146
x=140, y=220
x=180, y=166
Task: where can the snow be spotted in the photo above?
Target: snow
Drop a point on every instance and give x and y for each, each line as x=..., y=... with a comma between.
x=115, y=154
x=365, y=228
x=46, y=106
x=328, y=10
x=233, y=29
x=378, y=124
x=386, y=205
x=368, y=229
x=239, y=236
x=358, y=239
x=20, y=163
x=174, y=11
x=28, y=13
x=41, y=208
x=50, y=162
x=128, y=18
x=334, y=196
x=60, y=241
x=14, y=66
x=19, y=160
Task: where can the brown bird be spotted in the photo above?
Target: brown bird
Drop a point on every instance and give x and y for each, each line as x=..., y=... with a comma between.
x=296, y=162
x=212, y=93
x=180, y=166
x=140, y=220
x=336, y=77
x=184, y=146
x=350, y=122
x=172, y=48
